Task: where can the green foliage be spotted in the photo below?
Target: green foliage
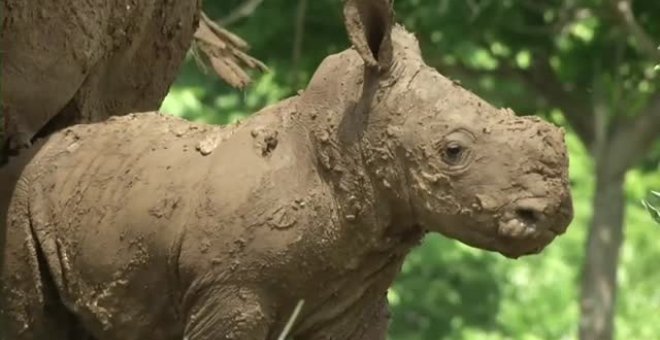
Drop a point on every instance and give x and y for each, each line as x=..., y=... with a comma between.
x=447, y=290
x=437, y=282
x=195, y=102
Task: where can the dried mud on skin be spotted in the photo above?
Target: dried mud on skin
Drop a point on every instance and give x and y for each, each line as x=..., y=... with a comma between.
x=70, y=62
x=152, y=224
x=74, y=61
x=147, y=226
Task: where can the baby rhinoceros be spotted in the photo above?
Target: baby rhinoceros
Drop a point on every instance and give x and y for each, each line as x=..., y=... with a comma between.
x=150, y=227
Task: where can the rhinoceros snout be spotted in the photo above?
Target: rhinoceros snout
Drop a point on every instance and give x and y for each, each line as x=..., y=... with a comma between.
x=529, y=225
x=543, y=214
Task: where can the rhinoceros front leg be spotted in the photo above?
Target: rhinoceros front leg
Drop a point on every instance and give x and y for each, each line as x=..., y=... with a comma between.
x=227, y=314
x=365, y=320
x=375, y=323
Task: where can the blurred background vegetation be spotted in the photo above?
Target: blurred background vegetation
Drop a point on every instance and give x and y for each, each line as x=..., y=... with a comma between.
x=591, y=66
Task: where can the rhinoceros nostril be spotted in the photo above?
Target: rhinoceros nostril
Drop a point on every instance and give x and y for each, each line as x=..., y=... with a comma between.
x=528, y=216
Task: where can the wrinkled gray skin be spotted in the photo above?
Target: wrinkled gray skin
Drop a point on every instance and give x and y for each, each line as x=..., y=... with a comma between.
x=150, y=227
x=62, y=59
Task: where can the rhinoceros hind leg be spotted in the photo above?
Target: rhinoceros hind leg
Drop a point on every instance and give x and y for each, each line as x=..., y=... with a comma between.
x=30, y=306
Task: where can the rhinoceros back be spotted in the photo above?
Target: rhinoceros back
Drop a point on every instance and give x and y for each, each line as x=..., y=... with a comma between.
x=105, y=213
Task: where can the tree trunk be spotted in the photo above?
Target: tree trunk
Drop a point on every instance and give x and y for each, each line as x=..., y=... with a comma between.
x=599, y=281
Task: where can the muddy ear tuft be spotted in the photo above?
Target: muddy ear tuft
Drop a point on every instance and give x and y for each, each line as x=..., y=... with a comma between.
x=369, y=26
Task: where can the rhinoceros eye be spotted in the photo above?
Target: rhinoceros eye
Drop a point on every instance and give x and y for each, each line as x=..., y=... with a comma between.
x=452, y=154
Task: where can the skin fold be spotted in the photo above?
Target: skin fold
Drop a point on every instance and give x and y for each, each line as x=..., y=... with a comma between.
x=150, y=227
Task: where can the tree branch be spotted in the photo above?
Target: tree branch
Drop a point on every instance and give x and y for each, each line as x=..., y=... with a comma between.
x=624, y=13
x=576, y=108
x=301, y=13
x=244, y=10
x=632, y=140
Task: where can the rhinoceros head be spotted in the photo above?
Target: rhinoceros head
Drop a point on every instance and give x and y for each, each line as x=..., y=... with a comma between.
x=485, y=176
x=470, y=171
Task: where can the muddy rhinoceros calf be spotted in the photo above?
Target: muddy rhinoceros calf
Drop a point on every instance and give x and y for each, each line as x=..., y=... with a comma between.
x=150, y=227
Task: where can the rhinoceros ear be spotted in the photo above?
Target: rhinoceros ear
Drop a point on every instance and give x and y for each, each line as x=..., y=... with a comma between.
x=369, y=24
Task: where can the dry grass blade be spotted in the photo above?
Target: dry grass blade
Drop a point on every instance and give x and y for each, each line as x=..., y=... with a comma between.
x=224, y=34
x=225, y=51
x=292, y=320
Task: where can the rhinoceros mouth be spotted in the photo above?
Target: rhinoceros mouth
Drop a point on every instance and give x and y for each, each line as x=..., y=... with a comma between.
x=531, y=218
x=518, y=237
x=520, y=229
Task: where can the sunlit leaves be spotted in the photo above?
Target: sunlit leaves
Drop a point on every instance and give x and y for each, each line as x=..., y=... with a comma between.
x=523, y=59
x=199, y=104
x=480, y=58
x=585, y=25
x=499, y=49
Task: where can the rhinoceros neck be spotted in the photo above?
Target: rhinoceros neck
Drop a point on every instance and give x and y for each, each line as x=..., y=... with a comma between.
x=345, y=134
